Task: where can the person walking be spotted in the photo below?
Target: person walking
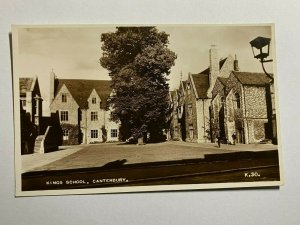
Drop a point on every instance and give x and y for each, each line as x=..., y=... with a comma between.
x=219, y=141
x=234, y=138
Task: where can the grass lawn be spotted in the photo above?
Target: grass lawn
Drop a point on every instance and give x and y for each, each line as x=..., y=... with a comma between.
x=98, y=155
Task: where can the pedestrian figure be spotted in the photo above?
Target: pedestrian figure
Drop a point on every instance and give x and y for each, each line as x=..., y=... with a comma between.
x=219, y=141
x=233, y=138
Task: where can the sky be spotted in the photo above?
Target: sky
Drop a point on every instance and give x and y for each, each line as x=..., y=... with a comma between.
x=73, y=52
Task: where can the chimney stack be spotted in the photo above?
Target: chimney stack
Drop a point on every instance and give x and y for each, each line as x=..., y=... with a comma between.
x=52, y=85
x=214, y=66
x=236, y=64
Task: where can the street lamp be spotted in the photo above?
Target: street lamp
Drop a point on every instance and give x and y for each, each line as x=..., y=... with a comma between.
x=261, y=49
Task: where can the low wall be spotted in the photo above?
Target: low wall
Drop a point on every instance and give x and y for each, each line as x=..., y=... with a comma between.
x=51, y=140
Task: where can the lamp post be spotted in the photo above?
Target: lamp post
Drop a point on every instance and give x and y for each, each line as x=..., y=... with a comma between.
x=261, y=50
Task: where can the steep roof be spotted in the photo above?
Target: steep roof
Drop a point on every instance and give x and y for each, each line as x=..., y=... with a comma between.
x=223, y=80
x=201, y=82
x=221, y=63
x=248, y=78
x=25, y=84
x=184, y=84
x=81, y=90
x=171, y=95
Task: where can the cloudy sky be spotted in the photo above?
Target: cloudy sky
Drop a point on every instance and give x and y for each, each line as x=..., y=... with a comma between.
x=74, y=52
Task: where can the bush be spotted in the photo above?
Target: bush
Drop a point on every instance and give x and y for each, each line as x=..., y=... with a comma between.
x=74, y=134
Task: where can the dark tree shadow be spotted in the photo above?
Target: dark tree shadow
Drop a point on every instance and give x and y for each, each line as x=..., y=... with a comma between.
x=115, y=164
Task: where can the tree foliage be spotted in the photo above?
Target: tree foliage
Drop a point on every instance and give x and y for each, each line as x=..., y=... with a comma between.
x=138, y=61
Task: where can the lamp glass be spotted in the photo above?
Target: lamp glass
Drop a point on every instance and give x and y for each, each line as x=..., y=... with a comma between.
x=260, y=47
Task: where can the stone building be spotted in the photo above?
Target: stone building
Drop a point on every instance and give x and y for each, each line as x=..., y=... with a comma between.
x=181, y=107
x=195, y=95
x=174, y=131
x=81, y=108
x=222, y=101
x=241, y=104
x=31, y=100
x=30, y=112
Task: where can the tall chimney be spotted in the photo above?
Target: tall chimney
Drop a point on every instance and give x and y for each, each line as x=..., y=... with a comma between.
x=52, y=85
x=236, y=64
x=213, y=65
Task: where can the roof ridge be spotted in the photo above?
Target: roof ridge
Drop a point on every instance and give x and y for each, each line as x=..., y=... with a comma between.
x=251, y=78
x=81, y=89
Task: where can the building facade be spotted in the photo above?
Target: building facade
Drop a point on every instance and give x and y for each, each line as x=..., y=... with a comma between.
x=240, y=107
x=31, y=100
x=81, y=108
x=223, y=102
x=30, y=112
x=195, y=101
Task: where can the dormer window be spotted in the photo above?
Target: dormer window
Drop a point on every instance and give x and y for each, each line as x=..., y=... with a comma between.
x=94, y=100
x=64, y=97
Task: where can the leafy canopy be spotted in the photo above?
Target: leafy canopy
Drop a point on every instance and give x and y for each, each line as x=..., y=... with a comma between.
x=138, y=61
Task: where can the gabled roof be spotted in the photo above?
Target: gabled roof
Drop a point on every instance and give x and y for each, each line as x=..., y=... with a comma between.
x=223, y=80
x=81, y=90
x=201, y=84
x=184, y=82
x=176, y=93
x=25, y=84
x=182, y=88
x=171, y=95
x=221, y=63
x=247, y=78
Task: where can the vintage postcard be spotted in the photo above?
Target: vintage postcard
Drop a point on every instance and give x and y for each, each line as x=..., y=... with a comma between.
x=131, y=108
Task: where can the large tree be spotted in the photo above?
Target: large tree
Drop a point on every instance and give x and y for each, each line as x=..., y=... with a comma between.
x=138, y=61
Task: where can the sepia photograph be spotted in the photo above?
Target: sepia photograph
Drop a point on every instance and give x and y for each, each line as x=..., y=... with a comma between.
x=135, y=108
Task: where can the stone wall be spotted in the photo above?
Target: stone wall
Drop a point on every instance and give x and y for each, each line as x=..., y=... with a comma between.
x=227, y=67
x=218, y=89
x=109, y=125
x=190, y=113
x=71, y=106
x=255, y=99
x=229, y=116
x=256, y=112
x=97, y=123
x=83, y=125
x=174, y=125
x=213, y=66
x=203, y=120
x=51, y=140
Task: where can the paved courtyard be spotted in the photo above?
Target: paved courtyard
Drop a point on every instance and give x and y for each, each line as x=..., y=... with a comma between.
x=98, y=155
